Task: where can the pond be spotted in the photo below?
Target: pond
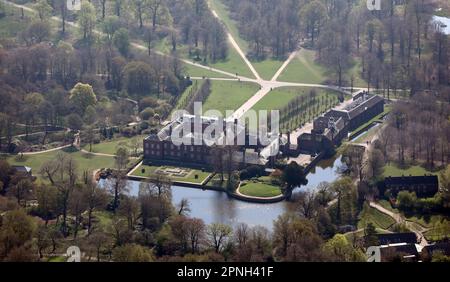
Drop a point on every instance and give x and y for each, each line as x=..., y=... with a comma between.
x=445, y=23
x=217, y=207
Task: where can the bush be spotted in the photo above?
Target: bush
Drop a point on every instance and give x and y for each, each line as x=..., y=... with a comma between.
x=251, y=172
x=147, y=114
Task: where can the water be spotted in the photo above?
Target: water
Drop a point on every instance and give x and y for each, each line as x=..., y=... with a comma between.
x=445, y=21
x=372, y=126
x=217, y=207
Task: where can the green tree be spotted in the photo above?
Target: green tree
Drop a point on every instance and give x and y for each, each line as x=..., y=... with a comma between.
x=339, y=249
x=121, y=40
x=86, y=19
x=122, y=158
x=44, y=10
x=293, y=177
x=218, y=234
x=16, y=230
x=82, y=96
x=132, y=253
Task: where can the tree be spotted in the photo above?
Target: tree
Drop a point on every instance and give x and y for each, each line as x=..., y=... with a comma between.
x=44, y=10
x=43, y=240
x=86, y=19
x=16, y=230
x=296, y=239
x=95, y=198
x=339, y=249
x=406, y=201
x=82, y=96
x=99, y=241
x=132, y=253
x=376, y=163
x=370, y=233
x=74, y=122
x=47, y=202
x=307, y=204
x=138, y=78
x=122, y=158
x=293, y=177
x=62, y=173
x=196, y=233
x=117, y=186
x=122, y=41
x=314, y=15
x=22, y=191
x=346, y=206
x=218, y=235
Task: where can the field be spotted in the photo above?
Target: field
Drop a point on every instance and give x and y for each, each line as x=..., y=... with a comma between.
x=229, y=95
x=110, y=147
x=259, y=189
x=145, y=171
x=193, y=71
x=267, y=68
x=303, y=68
x=395, y=171
x=379, y=219
x=85, y=162
x=233, y=64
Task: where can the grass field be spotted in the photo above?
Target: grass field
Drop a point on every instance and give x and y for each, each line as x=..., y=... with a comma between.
x=190, y=177
x=259, y=189
x=110, y=147
x=379, y=219
x=84, y=161
x=193, y=71
x=233, y=64
x=229, y=95
x=267, y=68
x=395, y=171
x=303, y=68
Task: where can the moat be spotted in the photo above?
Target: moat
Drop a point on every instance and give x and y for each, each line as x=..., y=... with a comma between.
x=213, y=206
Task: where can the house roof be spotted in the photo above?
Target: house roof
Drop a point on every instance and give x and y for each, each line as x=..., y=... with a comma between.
x=409, y=251
x=412, y=180
x=396, y=238
x=358, y=106
x=21, y=168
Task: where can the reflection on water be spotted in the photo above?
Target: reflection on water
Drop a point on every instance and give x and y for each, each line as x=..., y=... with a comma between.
x=213, y=206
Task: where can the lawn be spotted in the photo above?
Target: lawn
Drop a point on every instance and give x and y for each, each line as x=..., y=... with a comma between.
x=267, y=68
x=303, y=68
x=193, y=71
x=259, y=189
x=379, y=219
x=85, y=162
x=145, y=171
x=393, y=170
x=110, y=146
x=233, y=64
x=229, y=95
